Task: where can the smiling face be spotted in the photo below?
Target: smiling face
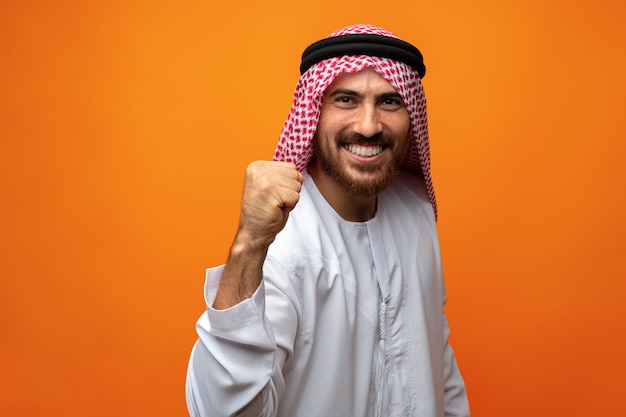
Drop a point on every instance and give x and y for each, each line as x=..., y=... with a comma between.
x=361, y=136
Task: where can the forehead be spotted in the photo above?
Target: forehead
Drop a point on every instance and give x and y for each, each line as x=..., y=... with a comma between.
x=364, y=81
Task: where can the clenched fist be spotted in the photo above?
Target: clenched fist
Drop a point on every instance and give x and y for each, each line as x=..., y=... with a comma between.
x=271, y=190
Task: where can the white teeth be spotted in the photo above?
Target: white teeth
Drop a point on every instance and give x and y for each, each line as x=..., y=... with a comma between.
x=364, y=150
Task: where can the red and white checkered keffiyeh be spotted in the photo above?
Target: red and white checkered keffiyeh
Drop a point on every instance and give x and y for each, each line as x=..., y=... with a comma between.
x=295, y=140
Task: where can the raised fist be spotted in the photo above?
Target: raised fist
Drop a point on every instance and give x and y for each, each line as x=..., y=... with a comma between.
x=271, y=190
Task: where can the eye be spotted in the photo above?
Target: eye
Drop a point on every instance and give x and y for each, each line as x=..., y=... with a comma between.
x=392, y=103
x=345, y=99
x=345, y=102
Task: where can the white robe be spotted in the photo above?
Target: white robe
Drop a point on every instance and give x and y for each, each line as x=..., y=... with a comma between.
x=308, y=342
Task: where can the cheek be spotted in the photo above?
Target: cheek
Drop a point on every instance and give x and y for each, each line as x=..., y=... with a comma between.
x=400, y=125
x=407, y=124
x=324, y=123
x=329, y=127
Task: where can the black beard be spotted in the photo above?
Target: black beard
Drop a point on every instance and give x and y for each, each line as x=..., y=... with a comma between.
x=353, y=186
x=357, y=138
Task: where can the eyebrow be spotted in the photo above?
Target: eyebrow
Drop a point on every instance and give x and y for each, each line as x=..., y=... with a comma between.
x=348, y=92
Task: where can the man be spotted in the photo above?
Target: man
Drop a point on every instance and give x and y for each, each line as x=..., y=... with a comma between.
x=331, y=301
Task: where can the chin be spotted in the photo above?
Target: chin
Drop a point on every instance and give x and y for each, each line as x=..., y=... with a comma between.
x=367, y=184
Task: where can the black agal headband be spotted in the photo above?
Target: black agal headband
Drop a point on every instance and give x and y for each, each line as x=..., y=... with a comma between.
x=363, y=44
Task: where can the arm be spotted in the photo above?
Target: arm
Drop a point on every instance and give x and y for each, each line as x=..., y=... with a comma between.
x=235, y=367
x=271, y=191
x=455, y=395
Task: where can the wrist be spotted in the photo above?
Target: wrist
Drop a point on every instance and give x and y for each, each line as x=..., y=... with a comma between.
x=249, y=246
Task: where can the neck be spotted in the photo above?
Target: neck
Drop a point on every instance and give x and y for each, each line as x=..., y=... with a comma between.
x=349, y=207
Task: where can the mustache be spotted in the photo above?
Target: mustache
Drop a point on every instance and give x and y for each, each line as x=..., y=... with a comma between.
x=359, y=139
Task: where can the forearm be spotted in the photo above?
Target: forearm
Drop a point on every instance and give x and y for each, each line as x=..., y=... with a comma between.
x=455, y=395
x=271, y=191
x=242, y=274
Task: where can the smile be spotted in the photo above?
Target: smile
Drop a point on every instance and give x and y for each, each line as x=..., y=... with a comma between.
x=371, y=150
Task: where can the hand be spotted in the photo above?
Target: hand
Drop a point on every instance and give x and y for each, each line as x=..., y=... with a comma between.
x=271, y=191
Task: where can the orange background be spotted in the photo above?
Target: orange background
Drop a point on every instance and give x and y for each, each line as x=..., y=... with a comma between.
x=126, y=126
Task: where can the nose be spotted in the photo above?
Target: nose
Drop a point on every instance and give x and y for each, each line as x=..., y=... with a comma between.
x=368, y=121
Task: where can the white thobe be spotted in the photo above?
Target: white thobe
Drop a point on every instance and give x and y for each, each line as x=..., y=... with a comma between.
x=348, y=320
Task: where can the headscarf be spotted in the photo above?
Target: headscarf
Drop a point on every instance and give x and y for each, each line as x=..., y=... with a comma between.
x=295, y=143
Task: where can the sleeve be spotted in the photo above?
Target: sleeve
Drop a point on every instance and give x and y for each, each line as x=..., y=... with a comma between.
x=236, y=365
x=455, y=395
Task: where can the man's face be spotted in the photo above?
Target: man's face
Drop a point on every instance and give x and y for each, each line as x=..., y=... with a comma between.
x=361, y=136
